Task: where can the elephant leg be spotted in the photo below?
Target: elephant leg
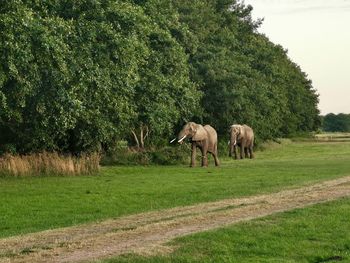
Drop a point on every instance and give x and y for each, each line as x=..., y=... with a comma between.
x=251, y=152
x=215, y=155
x=193, y=155
x=232, y=151
x=204, y=159
x=246, y=152
x=241, y=151
x=204, y=156
x=216, y=160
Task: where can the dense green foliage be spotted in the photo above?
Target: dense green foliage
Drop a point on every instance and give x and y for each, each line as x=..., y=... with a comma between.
x=244, y=77
x=30, y=204
x=336, y=122
x=314, y=234
x=80, y=75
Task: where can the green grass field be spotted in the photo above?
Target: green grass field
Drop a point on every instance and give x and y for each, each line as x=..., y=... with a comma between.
x=315, y=234
x=31, y=204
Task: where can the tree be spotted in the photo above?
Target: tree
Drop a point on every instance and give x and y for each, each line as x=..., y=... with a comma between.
x=78, y=75
x=68, y=73
x=336, y=122
x=165, y=93
x=244, y=77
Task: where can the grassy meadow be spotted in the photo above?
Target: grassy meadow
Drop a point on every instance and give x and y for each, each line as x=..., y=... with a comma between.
x=30, y=204
x=319, y=233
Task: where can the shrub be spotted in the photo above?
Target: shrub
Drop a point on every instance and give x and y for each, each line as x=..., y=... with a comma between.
x=272, y=144
x=168, y=155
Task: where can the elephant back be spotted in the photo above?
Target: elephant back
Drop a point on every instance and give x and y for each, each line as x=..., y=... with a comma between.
x=211, y=132
x=249, y=133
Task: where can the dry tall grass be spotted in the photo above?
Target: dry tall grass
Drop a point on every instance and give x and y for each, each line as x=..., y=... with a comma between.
x=48, y=164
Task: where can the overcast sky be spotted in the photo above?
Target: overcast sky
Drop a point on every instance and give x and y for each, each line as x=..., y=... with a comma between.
x=316, y=34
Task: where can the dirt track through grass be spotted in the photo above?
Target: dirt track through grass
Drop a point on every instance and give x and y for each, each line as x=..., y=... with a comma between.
x=147, y=233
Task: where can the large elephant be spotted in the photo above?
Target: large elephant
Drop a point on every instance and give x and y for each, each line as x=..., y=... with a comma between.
x=203, y=137
x=243, y=137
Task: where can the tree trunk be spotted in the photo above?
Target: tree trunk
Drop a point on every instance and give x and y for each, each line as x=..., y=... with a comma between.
x=143, y=134
x=142, y=143
x=136, y=139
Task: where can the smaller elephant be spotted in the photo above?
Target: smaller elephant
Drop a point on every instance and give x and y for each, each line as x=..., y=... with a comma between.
x=243, y=137
x=203, y=137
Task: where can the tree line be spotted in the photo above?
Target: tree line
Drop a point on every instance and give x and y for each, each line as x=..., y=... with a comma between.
x=80, y=75
x=336, y=122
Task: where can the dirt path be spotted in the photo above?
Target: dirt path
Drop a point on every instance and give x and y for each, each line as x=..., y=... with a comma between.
x=147, y=233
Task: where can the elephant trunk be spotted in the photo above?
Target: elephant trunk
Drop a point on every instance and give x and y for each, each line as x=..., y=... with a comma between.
x=233, y=139
x=233, y=143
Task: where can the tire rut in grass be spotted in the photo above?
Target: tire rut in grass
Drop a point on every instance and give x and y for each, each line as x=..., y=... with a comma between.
x=147, y=233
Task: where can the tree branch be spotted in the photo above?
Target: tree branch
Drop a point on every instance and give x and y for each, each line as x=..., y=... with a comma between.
x=136, y=139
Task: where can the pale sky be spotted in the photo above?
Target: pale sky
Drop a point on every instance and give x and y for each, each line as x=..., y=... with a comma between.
x=316, y=34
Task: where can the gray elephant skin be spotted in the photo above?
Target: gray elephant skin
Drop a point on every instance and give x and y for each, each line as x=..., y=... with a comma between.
x=203, y=137
x=243, y=137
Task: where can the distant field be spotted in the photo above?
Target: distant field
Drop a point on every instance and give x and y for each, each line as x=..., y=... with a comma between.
x=333, y=136
x=37, y=203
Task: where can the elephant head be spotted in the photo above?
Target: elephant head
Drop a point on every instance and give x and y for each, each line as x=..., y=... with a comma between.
x=235, y=131
x=192, y=130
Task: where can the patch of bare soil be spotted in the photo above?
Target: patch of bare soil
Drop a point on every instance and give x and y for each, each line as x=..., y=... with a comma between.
x=147, y=233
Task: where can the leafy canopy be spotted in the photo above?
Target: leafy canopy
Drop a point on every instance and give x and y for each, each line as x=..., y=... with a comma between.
x=79, y=75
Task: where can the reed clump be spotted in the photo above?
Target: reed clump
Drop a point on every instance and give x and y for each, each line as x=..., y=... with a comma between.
x=49, y=163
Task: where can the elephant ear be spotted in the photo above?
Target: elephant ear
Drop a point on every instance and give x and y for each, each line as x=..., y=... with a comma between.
x=199, y=133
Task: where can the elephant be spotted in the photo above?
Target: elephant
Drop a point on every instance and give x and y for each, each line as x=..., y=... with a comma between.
x=243, y=137
x=203, y=137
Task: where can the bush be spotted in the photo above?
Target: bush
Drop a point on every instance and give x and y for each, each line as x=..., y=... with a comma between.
x=272, y=144
x=120, y=154
x=126, y=157
x=168, y=155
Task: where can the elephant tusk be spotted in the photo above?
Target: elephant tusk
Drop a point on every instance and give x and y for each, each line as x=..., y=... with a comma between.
x=235, y=142
x=182, y=138
x=228, y=143
x=172, y=140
